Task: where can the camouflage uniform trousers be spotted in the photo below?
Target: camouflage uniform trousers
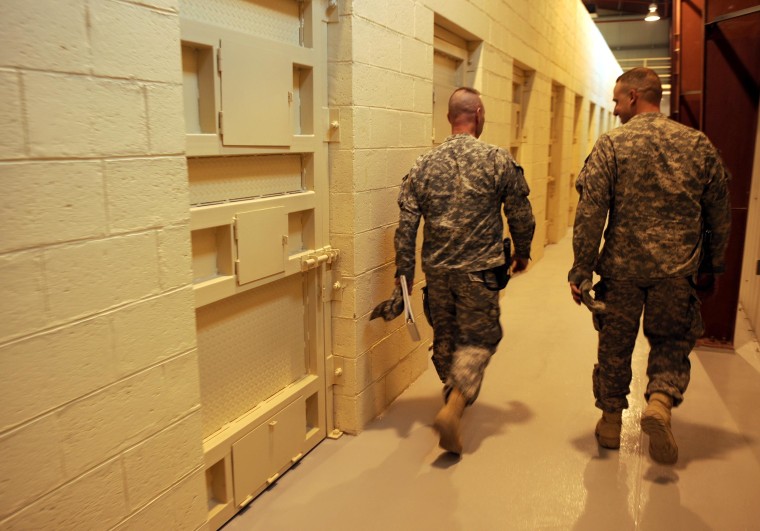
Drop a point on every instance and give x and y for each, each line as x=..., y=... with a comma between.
x=466, y=330
x=672, y=324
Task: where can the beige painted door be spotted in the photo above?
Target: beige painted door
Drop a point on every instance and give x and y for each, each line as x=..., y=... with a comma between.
x=255, y=88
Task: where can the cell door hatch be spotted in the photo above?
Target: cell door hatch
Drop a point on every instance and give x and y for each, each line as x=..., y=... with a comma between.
x=256, y=86
x=261, y=239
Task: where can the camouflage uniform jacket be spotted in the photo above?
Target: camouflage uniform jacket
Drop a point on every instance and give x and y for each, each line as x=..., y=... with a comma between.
x=459, y=187
x=663, y=184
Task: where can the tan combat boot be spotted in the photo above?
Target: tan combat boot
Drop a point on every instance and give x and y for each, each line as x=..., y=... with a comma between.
x=655, y=422
x=446, y=422
x=608, y=429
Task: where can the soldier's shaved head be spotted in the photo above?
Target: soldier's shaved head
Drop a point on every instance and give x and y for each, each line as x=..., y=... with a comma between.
x=637, y=91
x=645, y=81
x=466, y=112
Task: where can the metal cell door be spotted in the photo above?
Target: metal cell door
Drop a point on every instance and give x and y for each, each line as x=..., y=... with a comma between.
x=255, y=87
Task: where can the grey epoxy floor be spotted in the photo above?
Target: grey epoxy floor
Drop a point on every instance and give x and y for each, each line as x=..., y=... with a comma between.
x=530, y=459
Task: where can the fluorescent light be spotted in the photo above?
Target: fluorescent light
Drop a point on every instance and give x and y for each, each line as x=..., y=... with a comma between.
x=653, y=15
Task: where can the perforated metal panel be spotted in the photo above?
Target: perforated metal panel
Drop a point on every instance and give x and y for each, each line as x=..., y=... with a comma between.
x=220, y=179
x=250, y=346
x=277, y=20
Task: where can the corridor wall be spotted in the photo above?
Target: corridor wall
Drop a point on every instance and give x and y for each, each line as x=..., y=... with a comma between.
x=100, y=413
x=381, y=74
x=100, y=423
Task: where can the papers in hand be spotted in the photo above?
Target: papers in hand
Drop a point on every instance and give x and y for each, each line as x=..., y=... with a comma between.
x=408, y=313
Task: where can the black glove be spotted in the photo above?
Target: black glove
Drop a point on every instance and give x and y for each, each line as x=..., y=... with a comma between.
x=391, y=308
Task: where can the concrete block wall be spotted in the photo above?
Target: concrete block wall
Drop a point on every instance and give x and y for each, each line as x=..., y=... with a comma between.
x=99, y=408
x=99, y=395
x=380, y=78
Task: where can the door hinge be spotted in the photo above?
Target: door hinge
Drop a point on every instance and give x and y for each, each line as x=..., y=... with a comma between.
x=219, y=59
x=331, y=12
x=333, y=124
x=246, y=501
x=301, y=22
x=334, y=370
x=221, y=122
x=332, y=289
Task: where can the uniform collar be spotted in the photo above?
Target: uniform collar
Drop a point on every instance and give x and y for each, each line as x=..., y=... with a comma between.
x=458, y=136
x=647, y=116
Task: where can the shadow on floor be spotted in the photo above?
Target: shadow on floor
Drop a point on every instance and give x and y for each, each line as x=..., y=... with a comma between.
x=480, y=421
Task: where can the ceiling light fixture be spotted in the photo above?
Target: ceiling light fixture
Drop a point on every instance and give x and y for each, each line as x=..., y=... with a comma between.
x=653, y=15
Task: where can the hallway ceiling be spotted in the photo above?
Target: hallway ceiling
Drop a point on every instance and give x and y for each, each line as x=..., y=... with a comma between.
x=619, y=8
x=623, y=27
x=633, y=41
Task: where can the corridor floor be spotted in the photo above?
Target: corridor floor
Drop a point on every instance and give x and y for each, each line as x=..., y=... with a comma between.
x=530, y=458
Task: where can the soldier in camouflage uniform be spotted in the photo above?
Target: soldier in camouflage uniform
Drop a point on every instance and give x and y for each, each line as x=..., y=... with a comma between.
x=664, y=187
x=459, y=188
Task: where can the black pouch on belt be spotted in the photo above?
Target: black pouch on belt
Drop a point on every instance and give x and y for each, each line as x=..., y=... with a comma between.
x=426, y=305
x=496, y=279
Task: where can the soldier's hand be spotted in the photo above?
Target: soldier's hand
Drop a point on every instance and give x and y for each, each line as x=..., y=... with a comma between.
x=519, y=264
x=575, y=291
x=409, y=283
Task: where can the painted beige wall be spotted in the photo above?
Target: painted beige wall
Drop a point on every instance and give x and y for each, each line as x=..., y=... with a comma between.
x=99, y=392
x=99, y=397
x=381, y=72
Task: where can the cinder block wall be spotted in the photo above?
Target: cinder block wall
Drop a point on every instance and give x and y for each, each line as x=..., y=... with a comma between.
x=99, y=395
x=381, y=74
x=99, y=401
